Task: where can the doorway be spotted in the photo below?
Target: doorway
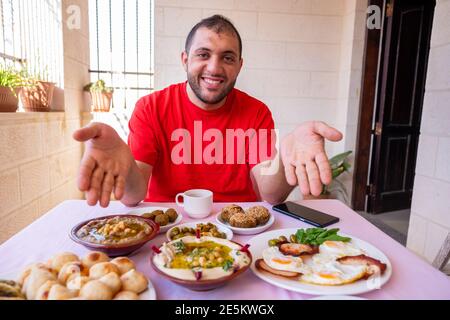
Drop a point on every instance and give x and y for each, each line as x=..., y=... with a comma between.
x=395, y=65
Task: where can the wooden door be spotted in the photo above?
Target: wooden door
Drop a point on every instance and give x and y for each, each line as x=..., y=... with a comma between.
x=401, y=85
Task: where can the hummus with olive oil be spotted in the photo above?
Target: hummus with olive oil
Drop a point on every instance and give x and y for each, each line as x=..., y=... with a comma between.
x=178, y=258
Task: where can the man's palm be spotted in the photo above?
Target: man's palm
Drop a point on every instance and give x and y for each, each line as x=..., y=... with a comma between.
x=105, y=163
x=304, y=158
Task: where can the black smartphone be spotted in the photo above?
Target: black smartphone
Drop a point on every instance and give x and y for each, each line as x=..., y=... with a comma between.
x=305, y=214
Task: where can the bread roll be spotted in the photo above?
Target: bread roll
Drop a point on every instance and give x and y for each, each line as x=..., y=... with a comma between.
x=96, y=290
x=35, y=280
x=60, y=292
x=124, y=264
x=71, y=269
x=134, y=281
x=112, y=280
x=126, y=295
x=77, y=282
x=26, y=272
x=59, y=260
x=93, y=258
x=44, y=290
x=102, y=269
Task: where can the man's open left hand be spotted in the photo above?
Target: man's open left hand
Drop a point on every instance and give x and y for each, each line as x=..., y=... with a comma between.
x=303, y=154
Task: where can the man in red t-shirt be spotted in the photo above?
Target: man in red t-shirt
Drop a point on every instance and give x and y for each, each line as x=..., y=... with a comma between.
x=205, y=134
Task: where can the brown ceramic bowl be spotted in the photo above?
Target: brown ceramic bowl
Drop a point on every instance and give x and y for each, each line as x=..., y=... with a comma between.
x=203, y=285
x=120, y=249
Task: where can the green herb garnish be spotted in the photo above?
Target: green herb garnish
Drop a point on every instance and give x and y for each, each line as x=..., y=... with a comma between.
x=317, y=236
x=179, y=246
x=227, y=265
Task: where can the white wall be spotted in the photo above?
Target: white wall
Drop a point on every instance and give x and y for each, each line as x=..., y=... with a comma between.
x=301, y=57
x=430, y=212
x=39, y=160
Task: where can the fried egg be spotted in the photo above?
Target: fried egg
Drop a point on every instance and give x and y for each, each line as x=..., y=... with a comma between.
x=339, y=249
x=326, y=271
x=275, y=259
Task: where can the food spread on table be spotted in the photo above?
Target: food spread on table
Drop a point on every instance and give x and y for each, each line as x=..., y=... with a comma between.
x=67, y=277
x=200, y=258
x=113, y=231
x=237, y=217
x=318, y=256
x=195, y=252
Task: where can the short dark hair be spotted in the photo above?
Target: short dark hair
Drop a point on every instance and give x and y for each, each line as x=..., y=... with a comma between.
x=219, y=24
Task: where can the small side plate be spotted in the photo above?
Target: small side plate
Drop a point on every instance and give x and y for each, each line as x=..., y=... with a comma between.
x=246, y=231
x=193, y=225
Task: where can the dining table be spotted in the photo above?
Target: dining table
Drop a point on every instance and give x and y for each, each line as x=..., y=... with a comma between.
x=412, y=276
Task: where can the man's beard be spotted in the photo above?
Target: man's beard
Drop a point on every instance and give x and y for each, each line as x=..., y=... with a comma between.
x=194, y=83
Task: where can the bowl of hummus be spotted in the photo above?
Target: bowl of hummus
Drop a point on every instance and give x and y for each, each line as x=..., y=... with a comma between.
x=201, y=264
x=116, y=235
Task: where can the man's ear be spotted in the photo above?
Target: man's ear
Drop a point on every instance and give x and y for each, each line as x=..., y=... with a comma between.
x=184, y=59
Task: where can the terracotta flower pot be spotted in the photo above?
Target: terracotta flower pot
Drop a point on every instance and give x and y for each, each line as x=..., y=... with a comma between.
x=38, y=98
x=8, y=101
x=101, y=101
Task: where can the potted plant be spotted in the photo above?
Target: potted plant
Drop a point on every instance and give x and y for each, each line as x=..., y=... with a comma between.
x=10, y=83
x=339, y=164
x=101, y=95
x=37, y=96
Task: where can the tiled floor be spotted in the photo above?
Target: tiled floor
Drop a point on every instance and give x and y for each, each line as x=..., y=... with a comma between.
x=394, y=223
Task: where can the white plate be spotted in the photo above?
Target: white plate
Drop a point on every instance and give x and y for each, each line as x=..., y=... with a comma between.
x=149, y=294
x=221, y=228
x=259, y=243
x=141, y=211
x=247, y=231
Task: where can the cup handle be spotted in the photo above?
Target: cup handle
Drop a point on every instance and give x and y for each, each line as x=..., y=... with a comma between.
x=176, y=200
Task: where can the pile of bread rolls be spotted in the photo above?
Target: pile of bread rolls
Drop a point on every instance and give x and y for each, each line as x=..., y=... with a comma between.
x=95, y=277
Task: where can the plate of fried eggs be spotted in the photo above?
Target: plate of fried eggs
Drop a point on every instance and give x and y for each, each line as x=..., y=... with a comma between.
x=347, y=267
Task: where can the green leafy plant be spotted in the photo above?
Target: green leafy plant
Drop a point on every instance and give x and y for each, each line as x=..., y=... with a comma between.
x=98, y=86
x=11, y=78
x=339, y=164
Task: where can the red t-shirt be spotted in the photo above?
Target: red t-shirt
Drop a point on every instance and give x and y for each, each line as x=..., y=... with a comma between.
x=191, y=148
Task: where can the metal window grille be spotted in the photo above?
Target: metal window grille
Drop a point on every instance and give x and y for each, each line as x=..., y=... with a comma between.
x=31, y=36
x=121, y=40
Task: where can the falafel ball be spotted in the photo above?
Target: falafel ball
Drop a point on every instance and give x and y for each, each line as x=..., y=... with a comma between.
x=149, y=215
x=230, y=210
x=162, y=219
x=260, y=213
x=172, y=213
x=242, y=220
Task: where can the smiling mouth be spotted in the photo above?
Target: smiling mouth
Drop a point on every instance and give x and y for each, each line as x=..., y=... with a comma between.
x=212, y=82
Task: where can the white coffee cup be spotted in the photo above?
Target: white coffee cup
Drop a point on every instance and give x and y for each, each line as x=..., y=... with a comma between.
x=196, y=202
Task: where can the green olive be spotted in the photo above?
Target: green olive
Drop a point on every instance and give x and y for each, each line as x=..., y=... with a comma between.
x=273, y=242
x=293, y=238
x=282, y=239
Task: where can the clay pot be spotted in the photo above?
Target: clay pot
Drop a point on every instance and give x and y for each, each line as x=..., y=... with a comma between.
x=8, y=101
x=101, y=101
x=37, y=98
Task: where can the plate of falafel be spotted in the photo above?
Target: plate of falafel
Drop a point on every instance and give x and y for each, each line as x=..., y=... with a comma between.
x=252, y=220
x=164, y=216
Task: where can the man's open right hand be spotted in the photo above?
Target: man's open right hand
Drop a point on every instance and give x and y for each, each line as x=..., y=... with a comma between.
x=105, y=164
